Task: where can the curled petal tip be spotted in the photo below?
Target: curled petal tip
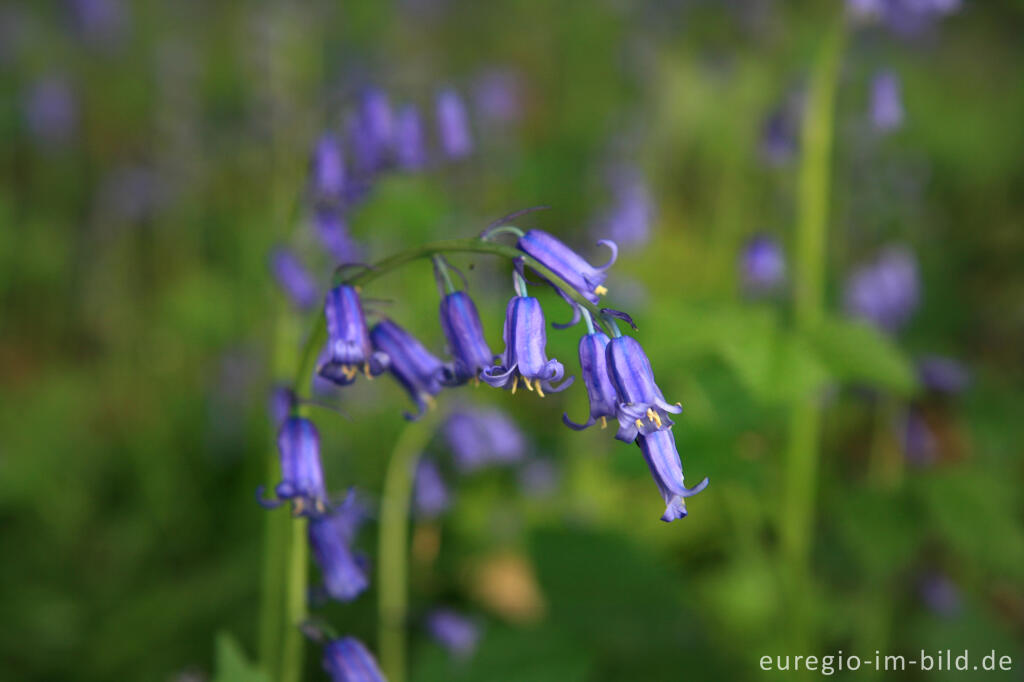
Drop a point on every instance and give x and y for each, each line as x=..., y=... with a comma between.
x=264, y=501
x=614, y=248
x=573, y=425
x=690, y=492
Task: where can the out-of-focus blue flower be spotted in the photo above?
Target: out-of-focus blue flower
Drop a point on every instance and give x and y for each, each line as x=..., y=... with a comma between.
x=51, y=110
x=371, y=132
x=347, y=660
x=659, y=449
x=456, y=633
x=942, y=374
x=430, y=495
x=600, y=389
x=642, y=408
x=886, y=291
x=453, y=125
x=886, y=102
x=412, y=365
x=348, y=342
x=779, y=137
x=919, y=444
x=629, y=219
x=328, y=169
x=538, y=477
x=762, y=265
x=293, y=278
x=465, y=334
x=567, y=264
x=498, y=96
x=903, y=17
x=331, y=536
x=410, y=146
x=482, y=437
x=525, y=355
x=100, y=22
x=334, y=235
x=282, y=402
x=940, y=594
x=302, y=476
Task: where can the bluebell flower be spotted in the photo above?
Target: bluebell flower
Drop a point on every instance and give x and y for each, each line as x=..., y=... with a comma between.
x=410, y=146
x=371, y=132
x=302, y=476
x=430, y=495
x=347, y=660
x=940, y=594
x=628, y=221
x=920, y=446
x=99, y=22
x=885, y=292
x=453, y=125
x=331, y=535
x=456, y=633
x=942, y=374
x=779, y=137
x=659, y=450
x=328, y=169
x=293, y=278
x=482, y=437
x=525, y=356
x=412, y=365
x=334, y=235
x=567, y=264
x=465, y=335
x=498, y=96
x=762, y=265
x=903, y=17
x=348, y=342
x=282, y=402
x=51, y=110
x=886, y=102
x=642, y=407
x=600, y=389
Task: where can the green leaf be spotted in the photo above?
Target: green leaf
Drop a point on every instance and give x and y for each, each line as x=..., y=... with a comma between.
x=854, y=351
x=232, y=663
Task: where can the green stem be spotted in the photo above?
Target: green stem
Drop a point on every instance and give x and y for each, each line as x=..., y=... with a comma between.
x=295, y=602
x=394, y=545
x=801, y=466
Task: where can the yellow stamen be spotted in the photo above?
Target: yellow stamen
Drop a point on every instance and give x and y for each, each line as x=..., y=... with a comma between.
x=604, y=422
x=655, y=417
x=515, y=384
x=429, y=400
x=366, y=370
x=526, y=380
x=540, y=392
x=639, y=423
x=600, y=290
x=476, y=382
x=298, y=506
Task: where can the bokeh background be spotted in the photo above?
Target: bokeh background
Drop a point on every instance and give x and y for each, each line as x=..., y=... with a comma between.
x=156, y=154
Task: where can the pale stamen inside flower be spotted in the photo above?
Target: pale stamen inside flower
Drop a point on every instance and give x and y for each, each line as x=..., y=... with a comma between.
x=600, y=290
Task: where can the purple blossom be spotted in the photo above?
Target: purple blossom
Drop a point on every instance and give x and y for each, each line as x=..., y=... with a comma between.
x=498, y=96
x=762, y=265
x=453, y=125
x=642, y=408
x=940, y=594
x=525, y=356
x=629, y=220
x=371, y=132
x=779, y=137
x=886, y=102
x=333, y=232
x=919, y=444
x=349, y=349
x=293, y=278
x=659, y=450
x=282, y=402
x=456, y=633
x=302, y=476
x=410, y=363
x=430, y=494
x=347, y=660
x=465, y=334
x=51, y=110
x=567, y=264
x=884, y=292
x=328, y=174
x=410, y=146
x=942, y=375
x=600, y=390
x=903, y=17
x=100, y=22
x=331, y=536
x=479, y=437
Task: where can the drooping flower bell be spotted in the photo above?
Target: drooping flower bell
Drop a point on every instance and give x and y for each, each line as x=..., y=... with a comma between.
x=886, y=102
x=659, y=450
x=412, y=365
x=410, y=147
x=331, y=536
x=600, y=390
x=456, y=633
x=942, y=375
x=642, y=408
x=333, y=232
x=567, y=264
x=525, y=356
x=453, y=125
x=482, y=437
x=629, y=219
x=762, y=265
x=429, y=495
x=293, y=278
x=349, y=348
x=302, y=476
x=328, y=172
x=465, y=334
x=885, y=292
x=347, y=660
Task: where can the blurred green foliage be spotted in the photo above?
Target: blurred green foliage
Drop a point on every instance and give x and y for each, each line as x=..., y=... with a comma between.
x=138, y=336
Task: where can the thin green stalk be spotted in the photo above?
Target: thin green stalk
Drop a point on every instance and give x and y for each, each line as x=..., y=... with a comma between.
x=295, y=602
x=800, y=473
x=393, y=545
